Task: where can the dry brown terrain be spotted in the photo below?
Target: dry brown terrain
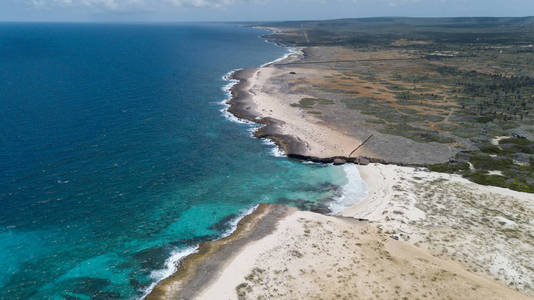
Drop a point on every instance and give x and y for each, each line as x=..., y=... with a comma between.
x=326, y=106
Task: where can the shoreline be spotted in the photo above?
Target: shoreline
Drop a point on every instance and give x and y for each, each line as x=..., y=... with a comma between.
x=241, y=108
x=277, y=248
x=192, y=256
x=214, y=267
x=173, y=263
x=198, y=269
x=237, y=110
x=285, y=126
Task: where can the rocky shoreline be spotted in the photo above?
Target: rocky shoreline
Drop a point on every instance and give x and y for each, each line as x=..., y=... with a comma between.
x=199, y=269
x=396, y=242
x=242, y=107
x=251, y=261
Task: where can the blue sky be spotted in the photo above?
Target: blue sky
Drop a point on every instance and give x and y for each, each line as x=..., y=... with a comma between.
x=250, y=10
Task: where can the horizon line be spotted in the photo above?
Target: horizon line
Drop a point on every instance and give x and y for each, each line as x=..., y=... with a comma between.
x=256, y=21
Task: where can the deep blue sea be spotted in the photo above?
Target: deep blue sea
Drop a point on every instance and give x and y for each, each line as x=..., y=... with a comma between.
x=116, y=159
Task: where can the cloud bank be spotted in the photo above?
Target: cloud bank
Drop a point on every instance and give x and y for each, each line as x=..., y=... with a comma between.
x=132, y=4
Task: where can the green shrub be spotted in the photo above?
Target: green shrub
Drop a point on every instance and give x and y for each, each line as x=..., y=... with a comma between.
x=310, y=102
x=449, y=167
x=483, y=119
x=481, y=178
x=492, y=149
x=486, y=162
x=516, y=141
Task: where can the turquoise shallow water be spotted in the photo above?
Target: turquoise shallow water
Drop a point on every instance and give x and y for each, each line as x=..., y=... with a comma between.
x=115, y=155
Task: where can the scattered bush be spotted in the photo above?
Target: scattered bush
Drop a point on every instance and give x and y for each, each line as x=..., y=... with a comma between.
x=310, y=102
x=456, y=167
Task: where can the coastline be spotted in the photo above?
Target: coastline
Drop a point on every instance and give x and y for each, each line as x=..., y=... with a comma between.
x=257, y=97
x=311, y=255
x=173, y=263
x=282, y=252
x=242, y=107
x=190, y=257
x=197, y=270
x=253, y=249
x=237, y=108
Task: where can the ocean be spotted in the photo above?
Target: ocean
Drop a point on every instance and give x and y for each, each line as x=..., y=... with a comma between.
x=117, y=157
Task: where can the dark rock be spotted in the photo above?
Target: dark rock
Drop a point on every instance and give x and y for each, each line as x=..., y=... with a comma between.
x=519, y=133
x=339, y=161
x=320, y=209
x=363, y=161
x=463, y=156
x=523, y=158
x=224, y=223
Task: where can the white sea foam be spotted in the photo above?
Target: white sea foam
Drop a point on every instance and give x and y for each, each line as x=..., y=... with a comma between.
x=290, y=51
x=252, y=129
x=352, y=192
x=227, y=88
x=171, y=265
x=173, y=262
x=233, y=223
x=275, y=150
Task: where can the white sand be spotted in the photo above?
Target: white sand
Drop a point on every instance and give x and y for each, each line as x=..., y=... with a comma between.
x=488, y=229
x=313, y=256
x=455, y=242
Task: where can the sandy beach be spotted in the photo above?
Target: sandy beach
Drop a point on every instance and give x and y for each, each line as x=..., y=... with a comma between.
x=260, y=98
x=487, y=229
x=312, y=256
x=309, y=119
x=403, y=250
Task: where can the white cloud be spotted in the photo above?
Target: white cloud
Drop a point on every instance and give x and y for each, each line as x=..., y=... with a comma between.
x=403, y=2
x=164, y=4
x=132, y=4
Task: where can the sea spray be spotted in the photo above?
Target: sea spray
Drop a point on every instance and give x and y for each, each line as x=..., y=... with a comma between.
x=172, y=263
x=233, y=223
x=275, y=150
x=352, y=192
x=253, y=127
x=290, y=51
x=227, y=89
x=170, y=267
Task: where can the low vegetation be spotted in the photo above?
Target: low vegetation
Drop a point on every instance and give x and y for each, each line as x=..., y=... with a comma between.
x=459, y=82
x=311, y=102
